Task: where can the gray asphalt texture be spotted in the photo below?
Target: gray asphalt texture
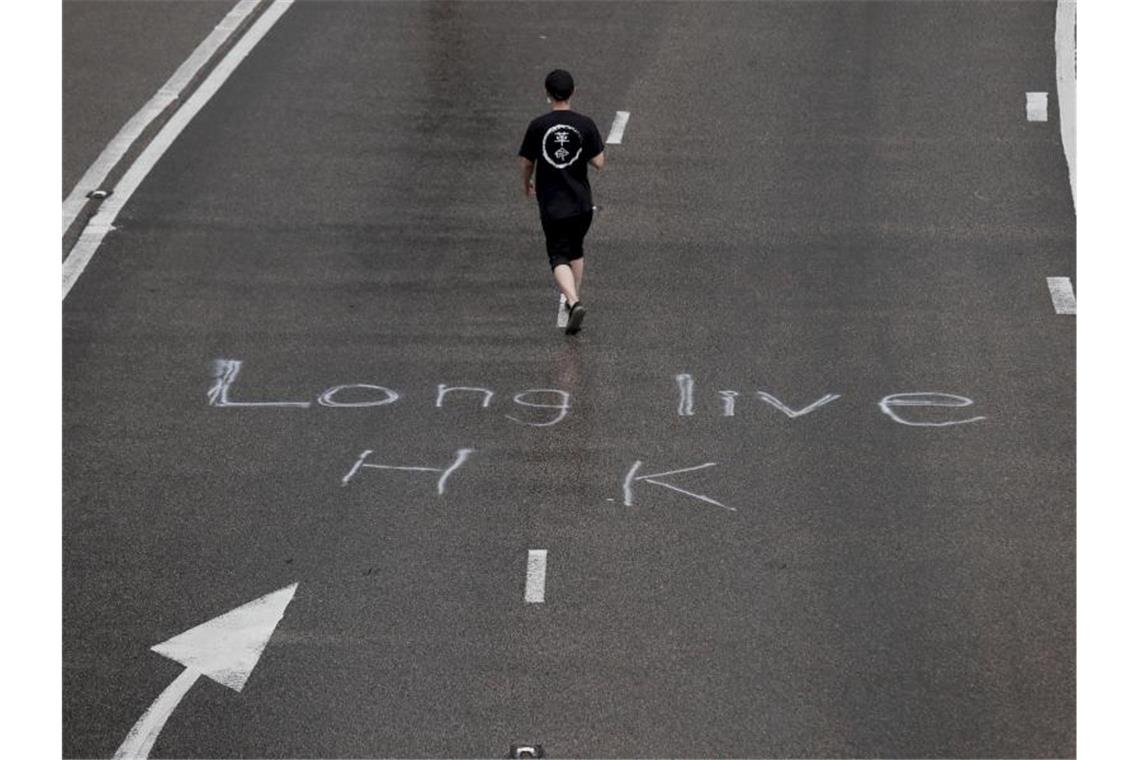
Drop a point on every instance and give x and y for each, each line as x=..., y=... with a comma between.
x=116, y=55
x=810, y=198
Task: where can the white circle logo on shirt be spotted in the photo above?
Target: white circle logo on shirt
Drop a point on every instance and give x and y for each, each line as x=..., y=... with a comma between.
x=561, y=145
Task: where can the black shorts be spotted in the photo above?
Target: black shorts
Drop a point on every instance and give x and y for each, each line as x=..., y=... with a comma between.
x=564, y=237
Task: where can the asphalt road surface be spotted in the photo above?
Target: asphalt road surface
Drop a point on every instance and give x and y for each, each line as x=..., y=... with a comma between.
x=116, y=54
x=809, y=199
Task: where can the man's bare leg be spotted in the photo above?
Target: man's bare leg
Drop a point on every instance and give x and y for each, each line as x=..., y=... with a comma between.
x=578, y=266
x=567, y=283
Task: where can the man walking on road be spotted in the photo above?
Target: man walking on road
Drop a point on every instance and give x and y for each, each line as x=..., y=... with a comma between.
x=565, y=141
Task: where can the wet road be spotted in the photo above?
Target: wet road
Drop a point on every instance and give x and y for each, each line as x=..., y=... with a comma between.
x=823, y=204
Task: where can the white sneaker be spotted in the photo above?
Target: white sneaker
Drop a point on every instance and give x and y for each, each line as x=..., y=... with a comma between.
x=563, y=312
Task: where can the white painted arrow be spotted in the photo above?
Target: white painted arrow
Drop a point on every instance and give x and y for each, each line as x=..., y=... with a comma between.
x=224, y=649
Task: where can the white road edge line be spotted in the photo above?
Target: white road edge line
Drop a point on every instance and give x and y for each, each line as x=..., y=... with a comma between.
x=100, y=223
x=1065, y=44
x=114, y=151
x=1037, y=106
x=621, y=118
x=1061, y=289
x=535, y=576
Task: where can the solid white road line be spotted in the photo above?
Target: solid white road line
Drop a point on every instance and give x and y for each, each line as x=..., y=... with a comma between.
x=100, y=223
x=535, y=576
x=1037, y=106
x=1061, y=289
x=95, y=175
x=621, y=118
x=1065, y=44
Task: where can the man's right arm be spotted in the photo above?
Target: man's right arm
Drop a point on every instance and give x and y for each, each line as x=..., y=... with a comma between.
x=528, y=154
x=526, y=167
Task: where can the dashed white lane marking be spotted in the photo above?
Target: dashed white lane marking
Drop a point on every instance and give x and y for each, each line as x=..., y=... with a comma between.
x=1061, y=288
x=1037, y=106
x=535, y=576
x=95, y=175
x=100, y=223
x=563, y=317
x=621, y=118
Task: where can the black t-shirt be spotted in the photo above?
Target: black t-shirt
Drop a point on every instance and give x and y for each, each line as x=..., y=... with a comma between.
x=561, y=144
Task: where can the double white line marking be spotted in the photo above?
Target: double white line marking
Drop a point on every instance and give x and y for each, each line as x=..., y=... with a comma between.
x=100, y=223
x=97, y=173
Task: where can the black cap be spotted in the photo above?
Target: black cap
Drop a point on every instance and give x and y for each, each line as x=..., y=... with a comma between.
x=559, y=84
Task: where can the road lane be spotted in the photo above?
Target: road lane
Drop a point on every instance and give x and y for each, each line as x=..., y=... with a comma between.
x=854, y=204
x=111, y=68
